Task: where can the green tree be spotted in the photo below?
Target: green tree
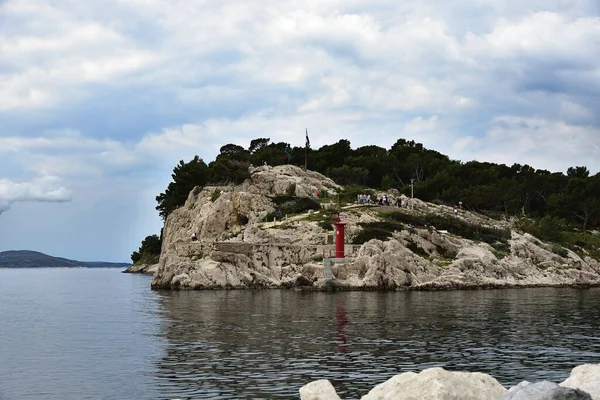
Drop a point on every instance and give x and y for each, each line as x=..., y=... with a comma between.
x=234, y=152
x=332, y=156
x=226, y=171
x=149, y=251
x=580, y=200
x=346, y=175
x=185, y=176
x=272, y=154
x=258, y=144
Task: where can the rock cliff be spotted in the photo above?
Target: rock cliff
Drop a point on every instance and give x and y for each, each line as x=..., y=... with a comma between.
x=240, y=246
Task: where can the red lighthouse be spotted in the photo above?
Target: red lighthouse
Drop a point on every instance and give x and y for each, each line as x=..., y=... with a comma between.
x=339, y=237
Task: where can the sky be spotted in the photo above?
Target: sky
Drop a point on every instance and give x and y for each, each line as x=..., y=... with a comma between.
x=100, y=99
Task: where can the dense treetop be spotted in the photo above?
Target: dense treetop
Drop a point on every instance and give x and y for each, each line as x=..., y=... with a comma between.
x=553, y=203
x=485, y=187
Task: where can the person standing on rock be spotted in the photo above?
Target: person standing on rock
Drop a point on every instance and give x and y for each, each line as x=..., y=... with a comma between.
x=194, y=238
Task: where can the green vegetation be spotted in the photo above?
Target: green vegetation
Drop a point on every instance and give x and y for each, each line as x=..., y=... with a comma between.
x=324, y=218
x=350, y=194
x=381, y=230
x=186, y=176
x=454, y=225
x=555, y=230
x=554, y=203
x=149, y=251
x=215, y=195
x=494, y=189
x=415, y=248
x=288, y=205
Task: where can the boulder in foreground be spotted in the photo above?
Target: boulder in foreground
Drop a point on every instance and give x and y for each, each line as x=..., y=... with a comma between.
x=544, y=391
x=585, y=377
x=439, y=384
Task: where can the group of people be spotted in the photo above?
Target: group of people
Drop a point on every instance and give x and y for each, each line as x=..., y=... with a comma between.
x=382, y=201
x=364, y=199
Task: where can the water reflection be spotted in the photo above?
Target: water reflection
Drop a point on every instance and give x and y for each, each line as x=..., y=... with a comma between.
x=340, y=322
x=267, y=344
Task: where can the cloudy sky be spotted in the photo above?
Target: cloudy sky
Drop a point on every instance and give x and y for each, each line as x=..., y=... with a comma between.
x=100, y=99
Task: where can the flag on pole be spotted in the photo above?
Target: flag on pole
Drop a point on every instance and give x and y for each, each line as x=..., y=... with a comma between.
x=307, y=140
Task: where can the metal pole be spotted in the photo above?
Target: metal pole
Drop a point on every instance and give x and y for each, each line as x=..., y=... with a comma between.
x=412, y=193
x=305, y=157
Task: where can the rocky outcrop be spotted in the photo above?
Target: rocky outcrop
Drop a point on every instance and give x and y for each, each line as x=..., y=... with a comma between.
x=141, y=269
x=439, y=384
x=238, y=248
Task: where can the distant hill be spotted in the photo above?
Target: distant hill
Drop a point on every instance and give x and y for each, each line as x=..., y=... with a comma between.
x=35, y=259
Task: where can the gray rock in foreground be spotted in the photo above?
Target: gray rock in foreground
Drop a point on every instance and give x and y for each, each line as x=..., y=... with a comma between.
x=544, y=391
x=439, y=384
x=585, y=377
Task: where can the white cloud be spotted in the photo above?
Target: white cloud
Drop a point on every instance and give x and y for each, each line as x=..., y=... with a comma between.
x=112, y=94
x=525, y=140
x=546, y=34
x=52, y=56
x=44, y=189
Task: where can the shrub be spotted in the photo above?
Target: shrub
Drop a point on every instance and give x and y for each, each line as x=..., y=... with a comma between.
x=548, y=228
x=350, y=194
x=559, y=250
x=584, y=244
x=295, y=205
x=215, y=195
x=448, y=254
x=468, y=230
x=371, y=233
x=326, y=224
x=381, y=230
x=403, y=217
x=291, y=190
x=455, y=225
x=415, y=248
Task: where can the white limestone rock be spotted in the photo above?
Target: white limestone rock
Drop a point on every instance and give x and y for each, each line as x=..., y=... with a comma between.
x=236, y=249
x=318, y=390
x=544, y=390
x=585, y=377
x=438, y=384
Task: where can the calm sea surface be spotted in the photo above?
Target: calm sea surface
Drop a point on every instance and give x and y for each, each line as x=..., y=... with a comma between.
x=100, y=334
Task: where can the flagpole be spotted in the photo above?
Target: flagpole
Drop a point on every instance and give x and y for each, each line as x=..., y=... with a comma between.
x=306, y=151
x=305, y=156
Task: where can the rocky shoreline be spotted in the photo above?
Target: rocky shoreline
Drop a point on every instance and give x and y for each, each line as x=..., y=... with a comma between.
x=440, y=384
x=239, y=246
x=149, y=269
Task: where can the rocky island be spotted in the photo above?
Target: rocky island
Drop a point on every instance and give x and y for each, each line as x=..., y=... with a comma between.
x=274, y=231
